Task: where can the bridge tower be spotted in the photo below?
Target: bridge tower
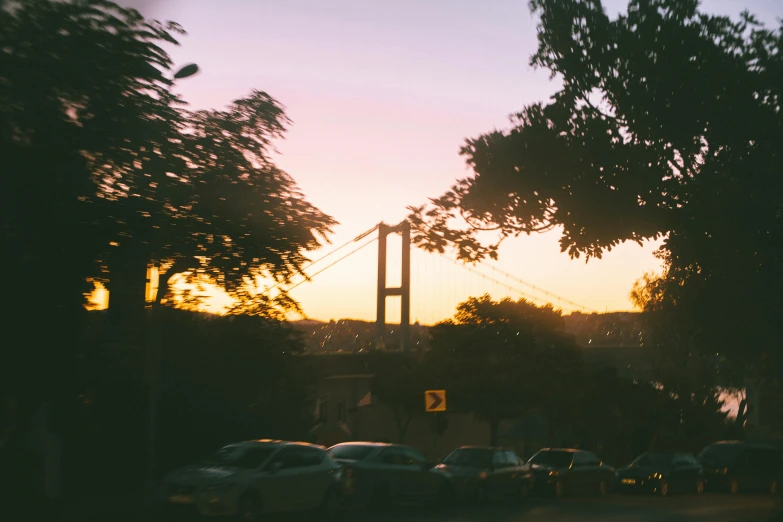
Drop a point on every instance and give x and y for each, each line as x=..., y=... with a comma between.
x=404, y=290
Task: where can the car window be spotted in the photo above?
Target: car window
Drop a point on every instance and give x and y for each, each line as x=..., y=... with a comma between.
x=299, y=457
x=413, y=457
x=580, y=459
x=691, y=460
x=469, y=457
x=242, y=456
x=719, y=455
x=513, y=459
x=652, y=460
x=555, y=459
x=591, y=459
x=393, y=457
x=351, y=451
x=312, y=456
x=683, y=459
x=499, y=459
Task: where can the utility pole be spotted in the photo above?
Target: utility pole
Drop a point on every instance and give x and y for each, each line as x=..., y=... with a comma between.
x=404, y=290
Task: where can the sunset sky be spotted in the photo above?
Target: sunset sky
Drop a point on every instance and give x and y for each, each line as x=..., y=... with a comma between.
x=382, y=94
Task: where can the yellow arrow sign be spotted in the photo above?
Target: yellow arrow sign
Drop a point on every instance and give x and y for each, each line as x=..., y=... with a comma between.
x=435, y=400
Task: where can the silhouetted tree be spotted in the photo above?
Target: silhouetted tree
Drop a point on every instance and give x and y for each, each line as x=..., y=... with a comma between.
x=231, y=378
x=101, y=148
x=498, y=359
x=399, y=382
x=104, y=172
x=668, y=123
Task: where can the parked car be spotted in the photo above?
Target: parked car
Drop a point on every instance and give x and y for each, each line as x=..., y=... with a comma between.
x=380, y=473
x=562, y=471
x=250, y=479
x=736, y=466
x=483, y=472
x=662, y=473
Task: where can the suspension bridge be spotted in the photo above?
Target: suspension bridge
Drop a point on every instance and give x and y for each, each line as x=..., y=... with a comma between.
x=431, y=279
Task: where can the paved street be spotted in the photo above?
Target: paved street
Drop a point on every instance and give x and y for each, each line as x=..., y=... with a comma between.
x=715, y=508
x=708, y=507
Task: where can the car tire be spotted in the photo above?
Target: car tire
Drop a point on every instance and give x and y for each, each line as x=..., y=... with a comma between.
x=249, y=508
x=699, y=486
x=663, y=489
x=734, y=486
x=524, y=491
x=446, y=493
x=601, y=488
x=330, y=505
x=381, y=496
x=480, y=495
x=559, y=489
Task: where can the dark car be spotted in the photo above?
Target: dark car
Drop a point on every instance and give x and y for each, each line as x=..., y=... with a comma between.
x=563, y=471
x=736, y=466
x=480, y=473
x=380, y=474
x=662, y=473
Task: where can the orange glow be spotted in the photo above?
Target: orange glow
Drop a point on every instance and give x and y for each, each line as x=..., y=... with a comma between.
x=438, y=283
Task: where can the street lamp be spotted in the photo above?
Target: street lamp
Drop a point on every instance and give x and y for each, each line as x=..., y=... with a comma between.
x=186, y=71
x=154, y=344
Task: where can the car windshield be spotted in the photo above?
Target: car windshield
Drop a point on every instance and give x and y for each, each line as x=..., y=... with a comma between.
x=351, y=451
x=555, y=459
x=242, y=456
x=719, y=455
x=470, y=457
x=647, y=460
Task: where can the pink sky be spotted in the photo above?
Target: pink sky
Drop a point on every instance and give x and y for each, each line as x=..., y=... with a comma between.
x=382, y=94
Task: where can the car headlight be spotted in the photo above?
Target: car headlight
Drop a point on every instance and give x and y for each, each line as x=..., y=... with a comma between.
x=220, y=486
x=554, y=473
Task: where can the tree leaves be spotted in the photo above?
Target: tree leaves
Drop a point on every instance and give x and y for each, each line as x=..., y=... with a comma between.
x=668, y=124
x=646, y=100
x=94, y=139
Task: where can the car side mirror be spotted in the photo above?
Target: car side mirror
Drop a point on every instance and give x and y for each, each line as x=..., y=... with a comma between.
x=275, y=467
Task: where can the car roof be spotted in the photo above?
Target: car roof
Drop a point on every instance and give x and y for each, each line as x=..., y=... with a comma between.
x=369, y=444
x=744, y=443
x=563, y=450
x=274, y=442
x=487, y=448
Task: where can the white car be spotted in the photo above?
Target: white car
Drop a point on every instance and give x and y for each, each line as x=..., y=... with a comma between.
x=247, y=479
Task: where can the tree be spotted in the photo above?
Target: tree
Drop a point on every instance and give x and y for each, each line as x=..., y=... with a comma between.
x=668, y=124
x=399, y=384
x=231, y=378
x=105, y=172
x=101, y=147
x=497, y=359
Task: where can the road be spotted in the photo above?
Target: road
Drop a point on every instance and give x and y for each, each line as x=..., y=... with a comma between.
x=708, y=507
x=715, y=508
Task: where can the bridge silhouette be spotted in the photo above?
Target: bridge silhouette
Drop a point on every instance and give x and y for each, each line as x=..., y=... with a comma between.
x=501, y=280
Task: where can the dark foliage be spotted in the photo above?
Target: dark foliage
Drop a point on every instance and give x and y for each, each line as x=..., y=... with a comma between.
x=508, y=359
x=668, y=123
x=105, y=172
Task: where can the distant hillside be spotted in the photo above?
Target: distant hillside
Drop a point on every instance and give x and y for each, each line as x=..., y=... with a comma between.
x=353, y=335
x=610, y=329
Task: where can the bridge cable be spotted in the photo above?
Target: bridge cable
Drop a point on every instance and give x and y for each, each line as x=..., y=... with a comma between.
x=327, y=267
x=496, y=281
x=311, y=263
x=539, y=289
